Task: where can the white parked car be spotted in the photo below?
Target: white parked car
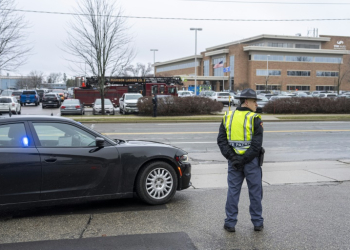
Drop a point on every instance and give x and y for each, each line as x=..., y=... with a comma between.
x=97, y=107
x=128, y=103
x=328, y=95
x=184, y=93
x=8, y=103
x=222, y=97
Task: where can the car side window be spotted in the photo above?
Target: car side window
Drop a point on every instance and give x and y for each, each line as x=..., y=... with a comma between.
x=63, y=135
x=13, y=135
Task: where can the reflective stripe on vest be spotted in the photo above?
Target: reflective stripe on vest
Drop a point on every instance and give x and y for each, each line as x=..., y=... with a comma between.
x=239, y=127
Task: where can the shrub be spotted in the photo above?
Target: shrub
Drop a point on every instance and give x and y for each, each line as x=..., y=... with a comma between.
x=309, y=105
x=173, y=106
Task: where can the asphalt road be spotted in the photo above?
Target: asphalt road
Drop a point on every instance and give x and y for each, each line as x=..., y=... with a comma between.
x=283, y=141
x=296, y=216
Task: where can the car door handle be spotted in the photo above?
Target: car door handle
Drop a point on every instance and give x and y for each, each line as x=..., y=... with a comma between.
x=51, y=160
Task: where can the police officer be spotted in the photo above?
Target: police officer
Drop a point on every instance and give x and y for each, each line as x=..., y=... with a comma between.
x=155, y=104
x=240, y=141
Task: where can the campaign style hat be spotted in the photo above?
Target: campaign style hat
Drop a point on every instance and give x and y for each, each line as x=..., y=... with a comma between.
x=248, y=94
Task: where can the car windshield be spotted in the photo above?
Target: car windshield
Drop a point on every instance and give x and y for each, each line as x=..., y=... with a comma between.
x=50, y=95
x=263, y=98
x=133, y=97
x=5, y=100
x=71, y=101
x=17, y=93
x=208, y=93
x=6, y=92
x=223, y=94
x=107, y=102
x=29, y=93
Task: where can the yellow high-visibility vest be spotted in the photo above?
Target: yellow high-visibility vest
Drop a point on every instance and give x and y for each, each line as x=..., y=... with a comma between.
x=239, y=127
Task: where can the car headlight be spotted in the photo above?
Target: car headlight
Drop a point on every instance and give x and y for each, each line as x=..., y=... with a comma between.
x=182, y=158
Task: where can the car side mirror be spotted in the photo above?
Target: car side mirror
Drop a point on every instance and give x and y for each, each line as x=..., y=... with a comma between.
x=100, y=142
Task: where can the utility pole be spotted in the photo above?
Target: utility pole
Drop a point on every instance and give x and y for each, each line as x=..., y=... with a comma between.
x=154, y=61
x=195, y=59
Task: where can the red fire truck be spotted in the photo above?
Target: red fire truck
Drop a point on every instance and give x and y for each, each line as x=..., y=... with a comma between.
x=115, y=87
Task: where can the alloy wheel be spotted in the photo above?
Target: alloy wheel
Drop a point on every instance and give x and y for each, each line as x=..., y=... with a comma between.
x=159, y=183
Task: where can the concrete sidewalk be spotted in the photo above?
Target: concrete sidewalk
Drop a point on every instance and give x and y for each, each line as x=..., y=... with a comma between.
x=279, y=173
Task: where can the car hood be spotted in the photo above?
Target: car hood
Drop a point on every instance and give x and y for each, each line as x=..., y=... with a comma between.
x=131, y=101
x=100, y=106
x=146, y=144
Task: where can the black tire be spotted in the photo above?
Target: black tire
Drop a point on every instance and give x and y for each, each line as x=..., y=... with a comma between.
x=19, y=112
x=42, y=106
x=120, y=110
x=156, y=184
x=25, y=104
x=36, y=104
x=124, y=113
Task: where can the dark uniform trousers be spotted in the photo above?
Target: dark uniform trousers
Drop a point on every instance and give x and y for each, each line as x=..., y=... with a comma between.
x=252, y=173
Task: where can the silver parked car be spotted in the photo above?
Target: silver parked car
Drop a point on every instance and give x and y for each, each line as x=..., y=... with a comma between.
x=184, y=93
x=97, y=107
x=222, y=97
x=72, y=106
x=261, y=103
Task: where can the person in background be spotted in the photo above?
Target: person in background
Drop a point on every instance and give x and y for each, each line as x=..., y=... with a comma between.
x=155, y=103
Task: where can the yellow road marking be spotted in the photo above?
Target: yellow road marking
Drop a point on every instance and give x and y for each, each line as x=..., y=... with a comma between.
x=216, y=132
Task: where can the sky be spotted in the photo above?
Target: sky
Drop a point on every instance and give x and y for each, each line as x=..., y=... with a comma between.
x=173, y=38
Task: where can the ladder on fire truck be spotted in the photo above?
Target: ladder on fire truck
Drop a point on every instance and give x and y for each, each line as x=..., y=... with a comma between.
x=92, y=82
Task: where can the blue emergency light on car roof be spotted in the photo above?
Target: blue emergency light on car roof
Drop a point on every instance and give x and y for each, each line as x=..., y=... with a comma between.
x=25, y=141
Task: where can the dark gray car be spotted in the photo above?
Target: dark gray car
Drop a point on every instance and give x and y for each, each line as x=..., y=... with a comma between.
x=50, y=159
x=72, y=107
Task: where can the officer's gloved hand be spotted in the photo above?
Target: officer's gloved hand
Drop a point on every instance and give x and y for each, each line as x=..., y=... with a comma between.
x=237, y=162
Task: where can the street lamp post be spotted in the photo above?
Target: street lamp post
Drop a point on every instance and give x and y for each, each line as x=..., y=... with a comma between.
x=267, y=71
x=154, y=60
x=195, y=59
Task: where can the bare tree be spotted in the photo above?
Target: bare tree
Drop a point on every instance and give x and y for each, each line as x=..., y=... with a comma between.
x=343, y=73
x=54, y=77
x=13, y=49
x=140, y=69
x=99, y=40
x=22, y=83
x=35, y=79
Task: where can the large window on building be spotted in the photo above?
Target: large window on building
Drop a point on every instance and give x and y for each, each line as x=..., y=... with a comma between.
x=328, y=59
x=299, y=58
x=307, y=46
x=298, y=73
x=232, y=66
x=296, y=87
x=327, y=73
x=177, y=66
x=282, y=45
x=206, y=68
x=219, y=71
x=272, y=72
x=257, y=44
x=271, y=58
x=325, y=88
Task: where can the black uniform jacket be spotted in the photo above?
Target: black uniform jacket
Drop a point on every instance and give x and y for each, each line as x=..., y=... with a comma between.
x=256, y=143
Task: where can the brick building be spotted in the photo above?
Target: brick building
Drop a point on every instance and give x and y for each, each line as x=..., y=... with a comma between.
x=292, y=63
